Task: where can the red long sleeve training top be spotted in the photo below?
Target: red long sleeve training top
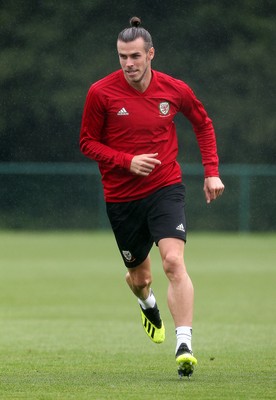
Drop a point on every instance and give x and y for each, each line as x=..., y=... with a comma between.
x=120, y=122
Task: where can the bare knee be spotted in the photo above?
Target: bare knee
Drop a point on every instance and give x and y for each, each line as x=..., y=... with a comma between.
x=174, y=266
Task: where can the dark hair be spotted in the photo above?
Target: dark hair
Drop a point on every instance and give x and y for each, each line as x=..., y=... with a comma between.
x=134, y=32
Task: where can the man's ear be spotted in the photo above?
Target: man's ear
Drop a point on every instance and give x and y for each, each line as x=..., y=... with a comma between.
x=151, y=53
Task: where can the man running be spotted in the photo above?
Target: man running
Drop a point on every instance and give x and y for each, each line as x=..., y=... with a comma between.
x=128, y=128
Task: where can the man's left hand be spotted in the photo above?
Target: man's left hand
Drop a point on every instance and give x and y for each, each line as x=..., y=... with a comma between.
x=213, y=187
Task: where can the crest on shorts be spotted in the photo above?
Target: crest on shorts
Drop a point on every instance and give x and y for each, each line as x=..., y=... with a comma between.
x=164, y=107
x=128, y=256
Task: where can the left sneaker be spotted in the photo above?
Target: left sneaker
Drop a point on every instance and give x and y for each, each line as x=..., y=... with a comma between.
x=153, y=324
x=185, y=361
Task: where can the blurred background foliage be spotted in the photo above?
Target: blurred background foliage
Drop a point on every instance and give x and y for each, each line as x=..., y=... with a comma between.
x=52, y=51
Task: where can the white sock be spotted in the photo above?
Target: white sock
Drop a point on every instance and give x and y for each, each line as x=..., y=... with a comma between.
x=183, y=335
x=149, y=302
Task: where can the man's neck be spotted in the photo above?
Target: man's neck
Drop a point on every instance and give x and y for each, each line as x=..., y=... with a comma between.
x=143, y=84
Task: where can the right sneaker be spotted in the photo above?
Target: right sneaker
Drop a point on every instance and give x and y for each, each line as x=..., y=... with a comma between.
x=153, y=324
x=185, y=361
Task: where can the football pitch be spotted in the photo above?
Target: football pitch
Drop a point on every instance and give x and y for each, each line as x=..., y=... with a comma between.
x=70, y=327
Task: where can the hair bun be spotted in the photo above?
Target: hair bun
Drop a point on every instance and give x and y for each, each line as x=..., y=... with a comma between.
x=135, y=21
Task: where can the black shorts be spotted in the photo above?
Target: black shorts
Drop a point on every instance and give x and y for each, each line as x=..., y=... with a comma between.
x=140, y=223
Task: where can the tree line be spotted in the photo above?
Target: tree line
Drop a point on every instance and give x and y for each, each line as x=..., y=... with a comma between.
x=51, y=52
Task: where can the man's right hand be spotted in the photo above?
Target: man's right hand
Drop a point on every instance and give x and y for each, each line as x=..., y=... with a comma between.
x=143, y=164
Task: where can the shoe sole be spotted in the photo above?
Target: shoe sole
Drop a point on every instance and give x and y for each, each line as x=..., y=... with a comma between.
x=186, y=364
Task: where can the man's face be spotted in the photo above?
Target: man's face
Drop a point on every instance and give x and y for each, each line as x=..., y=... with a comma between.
x=135, y=61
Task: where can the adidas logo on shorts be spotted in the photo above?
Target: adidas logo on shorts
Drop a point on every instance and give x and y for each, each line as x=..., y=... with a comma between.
x=180, y=228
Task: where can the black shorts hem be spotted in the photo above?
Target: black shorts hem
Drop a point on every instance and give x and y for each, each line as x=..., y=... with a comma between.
x=181, y=237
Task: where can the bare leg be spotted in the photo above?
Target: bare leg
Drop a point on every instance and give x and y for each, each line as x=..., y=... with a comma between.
x=139, y=279
x=180, y=289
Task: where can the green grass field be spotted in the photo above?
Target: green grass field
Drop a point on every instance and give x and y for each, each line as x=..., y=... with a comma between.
x=70, y=328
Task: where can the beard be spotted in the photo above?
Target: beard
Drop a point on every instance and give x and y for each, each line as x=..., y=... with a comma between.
x=138, y=80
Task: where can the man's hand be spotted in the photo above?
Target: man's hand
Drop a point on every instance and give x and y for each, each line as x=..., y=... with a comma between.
x=143, y=164
x=213, y=187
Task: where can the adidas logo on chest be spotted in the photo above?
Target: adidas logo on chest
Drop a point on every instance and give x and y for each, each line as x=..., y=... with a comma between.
x=123, y=111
